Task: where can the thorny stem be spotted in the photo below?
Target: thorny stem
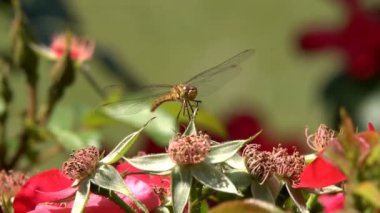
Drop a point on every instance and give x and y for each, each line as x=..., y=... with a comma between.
x=195, y=193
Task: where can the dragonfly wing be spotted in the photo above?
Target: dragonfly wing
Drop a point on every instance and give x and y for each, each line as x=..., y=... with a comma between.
x=136, y=101
x=215, y=77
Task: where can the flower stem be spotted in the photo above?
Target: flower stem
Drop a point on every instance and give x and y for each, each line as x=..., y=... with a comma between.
x=195, y=195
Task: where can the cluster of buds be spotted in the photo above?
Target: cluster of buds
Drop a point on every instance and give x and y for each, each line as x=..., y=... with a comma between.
x=189, y=149
x=262, y=164
x=81, y=163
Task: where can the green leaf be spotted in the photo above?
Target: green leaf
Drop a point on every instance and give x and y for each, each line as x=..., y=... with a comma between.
x=223, y=151
x=212, y=178
x=236, y=162
x=152, y=163
x=122, y=147
x=162, y=130
x=262, y=192
x=245, y=206
x=107, y=177
x=181, y=185
x=369, y=191
x=68, y=139
x=81, y=196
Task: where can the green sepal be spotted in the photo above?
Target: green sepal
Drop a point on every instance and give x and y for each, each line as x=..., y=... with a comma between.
x=222, y=152
x=107, y=177
x=236, y=162
x=262, y=192
x=152, y=163
x=81, y=196
x=191, y=129
x=212, y=178
x=123, y=146
x=181, y=185
x=241, y=179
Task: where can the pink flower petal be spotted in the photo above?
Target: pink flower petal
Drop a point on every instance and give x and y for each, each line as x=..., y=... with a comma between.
x=332, y=203
x=100, y=204
x=27, y=198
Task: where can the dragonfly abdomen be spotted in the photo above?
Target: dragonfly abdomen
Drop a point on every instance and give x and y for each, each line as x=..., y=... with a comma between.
x=160, y=100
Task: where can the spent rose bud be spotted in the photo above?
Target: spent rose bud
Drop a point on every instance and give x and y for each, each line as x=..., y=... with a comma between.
x=82, y=163
x=320, y=139
x=189, y=149
x=11, y=182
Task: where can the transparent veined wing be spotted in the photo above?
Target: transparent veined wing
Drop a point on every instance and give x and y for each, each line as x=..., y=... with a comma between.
x=134, y=102
x=215, y=77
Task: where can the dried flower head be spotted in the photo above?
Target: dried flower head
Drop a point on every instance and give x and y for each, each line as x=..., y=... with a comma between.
x=320, y=139
x=258, y=163
x=11, y=182
x=288, y=166
x=189, y=149
x=82, y=163
x=262, y=164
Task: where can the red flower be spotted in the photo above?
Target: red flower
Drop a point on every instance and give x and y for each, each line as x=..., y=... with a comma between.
x=332, y=203
x=321, y=173
x=359, y=40
x=52, y=185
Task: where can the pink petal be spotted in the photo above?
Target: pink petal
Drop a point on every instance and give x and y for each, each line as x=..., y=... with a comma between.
x=320, y=173
x=27, y=198
x=100, y=204
x=332, y=203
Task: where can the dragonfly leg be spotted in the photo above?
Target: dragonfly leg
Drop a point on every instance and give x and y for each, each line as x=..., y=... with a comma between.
x=188, y=106
x=197, y=102
x=182, y=109
x=191, y=108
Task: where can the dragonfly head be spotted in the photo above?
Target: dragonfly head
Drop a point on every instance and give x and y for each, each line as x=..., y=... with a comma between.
x=189, y=92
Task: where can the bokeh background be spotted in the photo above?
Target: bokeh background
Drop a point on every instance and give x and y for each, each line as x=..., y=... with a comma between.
x=169, y=41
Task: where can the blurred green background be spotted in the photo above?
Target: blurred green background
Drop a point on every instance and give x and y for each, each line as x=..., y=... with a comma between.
x=170, y=41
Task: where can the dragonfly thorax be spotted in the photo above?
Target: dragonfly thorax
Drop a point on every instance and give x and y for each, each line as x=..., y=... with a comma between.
x=186, y=92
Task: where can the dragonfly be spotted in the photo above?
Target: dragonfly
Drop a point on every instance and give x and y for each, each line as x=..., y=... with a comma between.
x=187, y=93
